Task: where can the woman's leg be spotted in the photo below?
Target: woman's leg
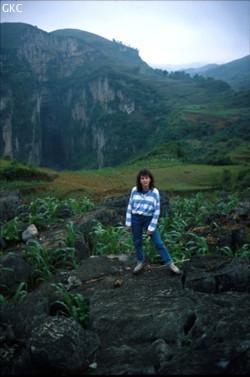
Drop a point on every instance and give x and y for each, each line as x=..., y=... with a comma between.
x=137, y=229
x=160, y=247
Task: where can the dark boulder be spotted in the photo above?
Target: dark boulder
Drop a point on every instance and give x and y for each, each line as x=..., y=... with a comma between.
x=10, y=203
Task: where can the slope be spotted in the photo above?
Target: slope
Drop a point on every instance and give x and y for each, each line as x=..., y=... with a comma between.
x=74, y=100
x=235, y=73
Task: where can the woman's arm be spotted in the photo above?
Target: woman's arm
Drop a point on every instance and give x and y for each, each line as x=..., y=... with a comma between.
x=128, y=220
x=156, y=213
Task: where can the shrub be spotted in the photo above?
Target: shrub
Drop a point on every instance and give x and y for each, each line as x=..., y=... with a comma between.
x=14, y=172
x=10, y=230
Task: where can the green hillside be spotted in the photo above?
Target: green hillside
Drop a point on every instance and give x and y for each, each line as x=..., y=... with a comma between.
x=104, y=106
x=112, y=51
x=235, y=73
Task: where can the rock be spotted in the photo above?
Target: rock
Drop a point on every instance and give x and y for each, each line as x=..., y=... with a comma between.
x=155, y=323
x=216, y=274
x=15, y=270
x=82, y=247
x=64, y=211
x=10, y=201
x=61, y=344
x=30, y=233
x=86, y=223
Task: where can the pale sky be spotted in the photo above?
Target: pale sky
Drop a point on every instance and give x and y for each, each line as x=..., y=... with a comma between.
x=166, y=32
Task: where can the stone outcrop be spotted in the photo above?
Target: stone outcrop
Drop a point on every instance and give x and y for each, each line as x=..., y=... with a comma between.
x=154, y=323
x=67, y=107
x=10, y=202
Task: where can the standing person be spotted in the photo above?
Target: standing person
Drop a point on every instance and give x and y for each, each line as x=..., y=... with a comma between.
x=143, y=212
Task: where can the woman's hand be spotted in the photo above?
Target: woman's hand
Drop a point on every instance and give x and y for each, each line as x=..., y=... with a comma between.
x=129, y=229
x=149, y=233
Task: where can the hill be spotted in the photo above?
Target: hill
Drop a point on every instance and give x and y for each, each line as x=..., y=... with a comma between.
x=235, y=73
x=73, y=100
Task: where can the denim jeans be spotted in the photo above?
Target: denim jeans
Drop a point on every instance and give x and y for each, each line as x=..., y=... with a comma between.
x=140, y=222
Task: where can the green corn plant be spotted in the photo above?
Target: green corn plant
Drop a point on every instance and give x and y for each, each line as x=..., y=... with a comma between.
x=66, y=257
x=227, y=250
x=10, y=230
x=244, y=251
x=4, y=286
x=149, y=249
x=40, y=258
x=70, y=304
x=79, y=206
x=197, y=246
x=38, y=220
x=71, y=234
x=69, y=239
x=110, y=240
x=47, y=206
x=185, y=340
x=21, y=292
x=19, y=295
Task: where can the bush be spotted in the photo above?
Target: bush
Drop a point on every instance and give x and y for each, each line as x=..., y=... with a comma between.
x=243, y=179
x=14, y=172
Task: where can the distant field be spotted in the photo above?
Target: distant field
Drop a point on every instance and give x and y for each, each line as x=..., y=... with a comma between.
x=100, y=184
x=192, y=177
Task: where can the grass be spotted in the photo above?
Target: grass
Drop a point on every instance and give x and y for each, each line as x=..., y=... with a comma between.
x=182, y=244
x=225, y=113
x=171, y=176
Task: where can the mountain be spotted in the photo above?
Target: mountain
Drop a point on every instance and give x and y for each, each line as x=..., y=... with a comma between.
x=71, y=99
x=235, y=73
x=177, y=67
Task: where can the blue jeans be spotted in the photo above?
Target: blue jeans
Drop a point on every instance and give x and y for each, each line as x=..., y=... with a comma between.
x=140, y=222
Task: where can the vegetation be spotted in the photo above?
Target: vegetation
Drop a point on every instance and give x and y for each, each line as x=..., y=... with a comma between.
x=70, y=304
x=204, y=115
x=181, y=244
x=80, y=189
x=15, y=171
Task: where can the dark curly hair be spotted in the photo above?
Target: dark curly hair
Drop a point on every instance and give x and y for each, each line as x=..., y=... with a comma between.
x=144, y=173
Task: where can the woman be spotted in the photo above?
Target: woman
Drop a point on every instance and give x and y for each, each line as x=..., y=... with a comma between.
x=143, y=212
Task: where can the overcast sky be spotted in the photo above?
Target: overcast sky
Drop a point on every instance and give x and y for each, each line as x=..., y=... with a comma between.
x=170, y=32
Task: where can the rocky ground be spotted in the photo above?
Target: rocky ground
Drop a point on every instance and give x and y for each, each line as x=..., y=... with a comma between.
x=153, y=323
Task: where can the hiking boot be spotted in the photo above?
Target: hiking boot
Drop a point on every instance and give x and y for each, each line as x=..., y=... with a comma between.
x=138, y=268
x=174, y=269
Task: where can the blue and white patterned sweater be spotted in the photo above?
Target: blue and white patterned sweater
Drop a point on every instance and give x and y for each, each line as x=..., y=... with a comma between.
x=147, y=204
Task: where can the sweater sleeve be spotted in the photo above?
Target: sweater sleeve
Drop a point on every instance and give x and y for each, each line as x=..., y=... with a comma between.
x=153, y=224
x=128, y=221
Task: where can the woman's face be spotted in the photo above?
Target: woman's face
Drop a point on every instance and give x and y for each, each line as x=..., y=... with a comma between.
x=145, y=181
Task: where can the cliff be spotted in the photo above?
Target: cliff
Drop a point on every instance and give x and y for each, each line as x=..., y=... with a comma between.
x=60, y=100
x=74, y=100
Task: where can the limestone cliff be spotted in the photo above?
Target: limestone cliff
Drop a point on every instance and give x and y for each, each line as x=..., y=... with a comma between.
x=61, y=102
x=74, y=100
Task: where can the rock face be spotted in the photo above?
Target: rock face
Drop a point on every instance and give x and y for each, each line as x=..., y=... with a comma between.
x=61, y=106
x=9, y=203
x=152, y=323
x=74, y=100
